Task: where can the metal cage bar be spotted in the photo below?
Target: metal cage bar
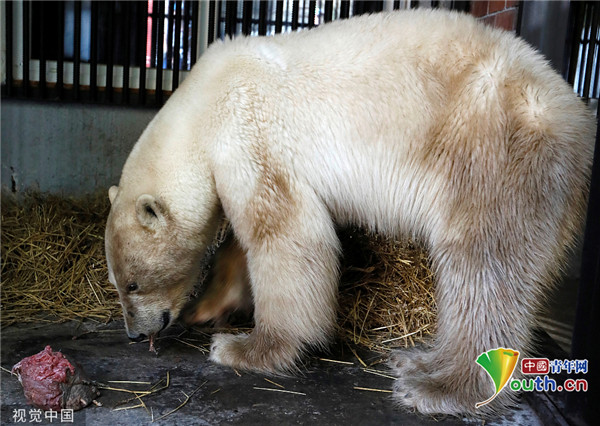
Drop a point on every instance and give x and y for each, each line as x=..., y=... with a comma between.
x=94, y=52
x=295, y=10
x=127, y=63
x=176, y=45
x=109, y=52
x=279, y=17
x=142, y=35
x=26, y=52
x=262, y=18
x=194, y=44
x=160, y=14
x=77, y=51
x=42, y=70
x=9, y=48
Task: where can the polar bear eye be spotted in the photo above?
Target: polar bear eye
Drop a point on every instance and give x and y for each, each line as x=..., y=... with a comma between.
x=132, y=287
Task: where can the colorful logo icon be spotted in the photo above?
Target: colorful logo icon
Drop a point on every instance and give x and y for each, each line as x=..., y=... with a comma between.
x=500, y=364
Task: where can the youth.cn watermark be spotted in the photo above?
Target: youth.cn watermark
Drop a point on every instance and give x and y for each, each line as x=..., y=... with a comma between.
x=500, y=364
x=540, y=367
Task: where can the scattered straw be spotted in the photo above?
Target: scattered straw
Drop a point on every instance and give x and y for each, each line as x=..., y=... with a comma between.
x=378, y=373
x=279, y=390
x=336, y=361
x=358, y=358
x=373, y=390
x=130, y=382
x=6, y=370
x=185, y=401
x=273, y=383
x=185, y=342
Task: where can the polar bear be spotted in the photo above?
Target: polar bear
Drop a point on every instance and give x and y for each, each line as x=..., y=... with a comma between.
x=420, y=123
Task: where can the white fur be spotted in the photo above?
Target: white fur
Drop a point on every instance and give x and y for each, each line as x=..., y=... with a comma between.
x=420, y=123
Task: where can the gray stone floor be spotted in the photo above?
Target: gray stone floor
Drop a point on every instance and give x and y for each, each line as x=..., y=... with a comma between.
x=325, y=393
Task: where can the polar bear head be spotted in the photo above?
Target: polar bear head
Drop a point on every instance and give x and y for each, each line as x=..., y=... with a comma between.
x=141, y=254
x=154, y=258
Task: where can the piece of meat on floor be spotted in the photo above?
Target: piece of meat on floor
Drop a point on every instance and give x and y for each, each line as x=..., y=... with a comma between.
x=52, y=382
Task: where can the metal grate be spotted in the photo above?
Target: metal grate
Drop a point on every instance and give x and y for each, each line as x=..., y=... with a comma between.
x=583, y=69
x=273, y=17
x=117, y=52
x=137, y=53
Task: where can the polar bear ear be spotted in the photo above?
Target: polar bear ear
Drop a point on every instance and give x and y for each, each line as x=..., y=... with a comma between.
x=150, y=212
x=112, y=193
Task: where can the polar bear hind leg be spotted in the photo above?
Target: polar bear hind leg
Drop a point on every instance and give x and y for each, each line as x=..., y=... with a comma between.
x=518, y=197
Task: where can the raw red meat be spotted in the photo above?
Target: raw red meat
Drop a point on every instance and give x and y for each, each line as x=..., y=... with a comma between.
x=51, y=382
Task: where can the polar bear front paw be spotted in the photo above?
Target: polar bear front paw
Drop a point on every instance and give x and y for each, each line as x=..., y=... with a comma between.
x=226, y=348
x=254, y=352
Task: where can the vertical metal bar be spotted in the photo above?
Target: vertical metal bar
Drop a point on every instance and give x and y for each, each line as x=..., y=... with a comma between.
x=155, y=41
x=596, y=54
x=142, y=42
x=42, y=82
x=295, y=7
x=26, y=85
x=77, y=50
x=9, y=47
x=211, y=21
x=585, y=46
x=519, y=17
x=279, y=17
x=312, y=10
x=596, y=76
x=591, y=51
x=127, y=61
x=230, y=17
x=328, y=11
x=185, y=63
x=60, y=61
x=94, y=52
x=170, y=21
x=160, y=15
x=110, y=52
x=462, y=6
x=359, y=8
x=218, y=19
x=176, y=45
x=262, y=18
x=195, y=14
x=247, y=17
x=577, y=17
x=345, y=9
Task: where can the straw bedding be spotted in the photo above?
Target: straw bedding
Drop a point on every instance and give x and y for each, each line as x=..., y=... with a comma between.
x=53, y=269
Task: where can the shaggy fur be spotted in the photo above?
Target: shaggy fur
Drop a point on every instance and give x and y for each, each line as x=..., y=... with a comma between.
x=416, y=123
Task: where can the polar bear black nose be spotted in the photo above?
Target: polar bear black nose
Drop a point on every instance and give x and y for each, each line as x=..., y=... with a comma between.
x=166, y=318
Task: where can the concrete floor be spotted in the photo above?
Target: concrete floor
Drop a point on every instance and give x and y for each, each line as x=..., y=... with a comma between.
x=326, y=393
